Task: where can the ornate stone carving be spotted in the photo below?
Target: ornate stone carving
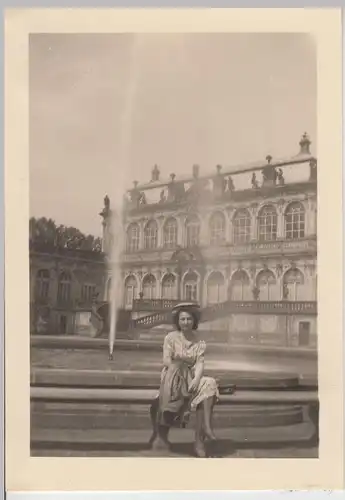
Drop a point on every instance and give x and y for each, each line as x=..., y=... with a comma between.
x=279, y=270
x=281, y=205
x=252, y=271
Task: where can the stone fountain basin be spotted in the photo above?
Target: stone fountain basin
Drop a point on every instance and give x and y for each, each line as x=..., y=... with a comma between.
x=146, y=378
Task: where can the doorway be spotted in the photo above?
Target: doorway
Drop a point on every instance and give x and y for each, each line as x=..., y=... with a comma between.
x=303, y=333
x=63, y=324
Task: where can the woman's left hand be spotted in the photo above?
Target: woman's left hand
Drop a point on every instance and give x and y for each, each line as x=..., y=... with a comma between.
x=193, y=385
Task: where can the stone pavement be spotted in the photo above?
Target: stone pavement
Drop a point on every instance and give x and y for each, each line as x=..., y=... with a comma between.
x=283, y=442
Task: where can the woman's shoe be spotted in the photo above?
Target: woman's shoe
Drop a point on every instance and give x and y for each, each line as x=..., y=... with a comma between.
x=210, y=436
x=199, y=449
x=160, y=441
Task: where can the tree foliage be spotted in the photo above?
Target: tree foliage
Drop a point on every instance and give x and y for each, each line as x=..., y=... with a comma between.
x=45, y=232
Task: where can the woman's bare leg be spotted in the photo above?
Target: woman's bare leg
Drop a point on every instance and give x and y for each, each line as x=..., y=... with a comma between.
x=208, y=405
x=199, y=432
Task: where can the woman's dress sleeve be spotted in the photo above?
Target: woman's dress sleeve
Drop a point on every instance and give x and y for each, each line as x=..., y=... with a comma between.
x=168, y=350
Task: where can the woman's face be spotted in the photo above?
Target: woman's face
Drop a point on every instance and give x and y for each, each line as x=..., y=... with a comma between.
x=185, y=321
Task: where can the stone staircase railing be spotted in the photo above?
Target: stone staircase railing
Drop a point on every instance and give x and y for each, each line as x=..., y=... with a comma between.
x=221, y=309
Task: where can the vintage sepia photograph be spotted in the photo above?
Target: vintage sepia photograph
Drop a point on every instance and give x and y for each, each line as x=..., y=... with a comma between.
x=173, y=249
x=173, y=245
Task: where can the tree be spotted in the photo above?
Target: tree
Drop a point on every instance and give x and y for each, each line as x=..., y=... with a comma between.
x=46, y=232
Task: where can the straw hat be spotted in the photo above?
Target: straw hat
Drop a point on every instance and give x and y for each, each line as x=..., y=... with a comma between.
x=194, y=307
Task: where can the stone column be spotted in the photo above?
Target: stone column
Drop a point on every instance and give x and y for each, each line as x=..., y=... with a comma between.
x=142, y=224
x=204, y=235
x=311, y=217
x=160, y=228
x=228, y=225
x=181, y=234
x=253, y=210
x=158, y=276
x=280, y=219
x=179, y=230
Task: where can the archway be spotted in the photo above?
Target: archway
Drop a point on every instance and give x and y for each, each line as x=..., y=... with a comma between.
x=215, y=288
x=267, y=223
x=190, y=286
x=240, y=286
x=131, y=290
x=169, y=290
x=294, y=283
x=149, y=287
x=294, y=221
x=217, y=228
x=266, y=282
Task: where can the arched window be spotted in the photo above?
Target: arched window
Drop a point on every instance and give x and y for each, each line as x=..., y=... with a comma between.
x=149, y=287
x=294, y=221
x=131, y=288
x=217, y=228
x=64, y=287
x=215, y=288
x=150, y=235
x=88, y=292
x=192, y=230
x=190, y=286
x=241, y=226
x=267, y=224
x=266, y=282
x=169, y=287
x=170, y=233
x=294, y=283
x=240, y=286
x=42, y=284
x=133, y=237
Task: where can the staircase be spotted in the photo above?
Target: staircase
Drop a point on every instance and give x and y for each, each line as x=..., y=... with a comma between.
x=222, y=309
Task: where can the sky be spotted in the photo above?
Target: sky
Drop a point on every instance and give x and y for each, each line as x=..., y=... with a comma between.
x=105, y=108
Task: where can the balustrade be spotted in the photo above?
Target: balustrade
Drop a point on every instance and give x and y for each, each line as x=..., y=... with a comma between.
x=250, y=248
x=153, y=304
x=245, y=307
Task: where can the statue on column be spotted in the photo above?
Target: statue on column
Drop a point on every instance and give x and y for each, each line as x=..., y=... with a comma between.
x=256, y=292
x=269, y=173
x=230, y=184
x=106, y=209
x=218, y=183
x=255, y=183
x=155, y=174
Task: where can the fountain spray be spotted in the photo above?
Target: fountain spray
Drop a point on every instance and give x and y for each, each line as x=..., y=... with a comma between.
x=119, y=186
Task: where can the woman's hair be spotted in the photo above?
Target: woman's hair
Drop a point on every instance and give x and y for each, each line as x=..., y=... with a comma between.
x=190, y=310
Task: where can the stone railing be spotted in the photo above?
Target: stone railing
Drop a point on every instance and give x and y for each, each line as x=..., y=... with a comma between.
x=245, y=306
x=152, y=320
x=276, y=247
x=261, y=307
x=267, y=247
x=153, y=304
x=222, y=309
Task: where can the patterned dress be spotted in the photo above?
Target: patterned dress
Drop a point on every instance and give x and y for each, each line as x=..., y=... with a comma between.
x=175, y=344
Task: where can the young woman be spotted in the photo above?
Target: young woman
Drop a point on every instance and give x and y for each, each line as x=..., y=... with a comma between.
x=183, y=371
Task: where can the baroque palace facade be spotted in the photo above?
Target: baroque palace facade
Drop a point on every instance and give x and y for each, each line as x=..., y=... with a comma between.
x=242, y=234
x=64, y=285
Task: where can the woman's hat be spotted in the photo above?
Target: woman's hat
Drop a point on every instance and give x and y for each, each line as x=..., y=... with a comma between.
x=192, y=306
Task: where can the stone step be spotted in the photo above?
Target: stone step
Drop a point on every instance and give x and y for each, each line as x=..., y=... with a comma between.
x=60, y=415
x=151, y=379
x=287, y=441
